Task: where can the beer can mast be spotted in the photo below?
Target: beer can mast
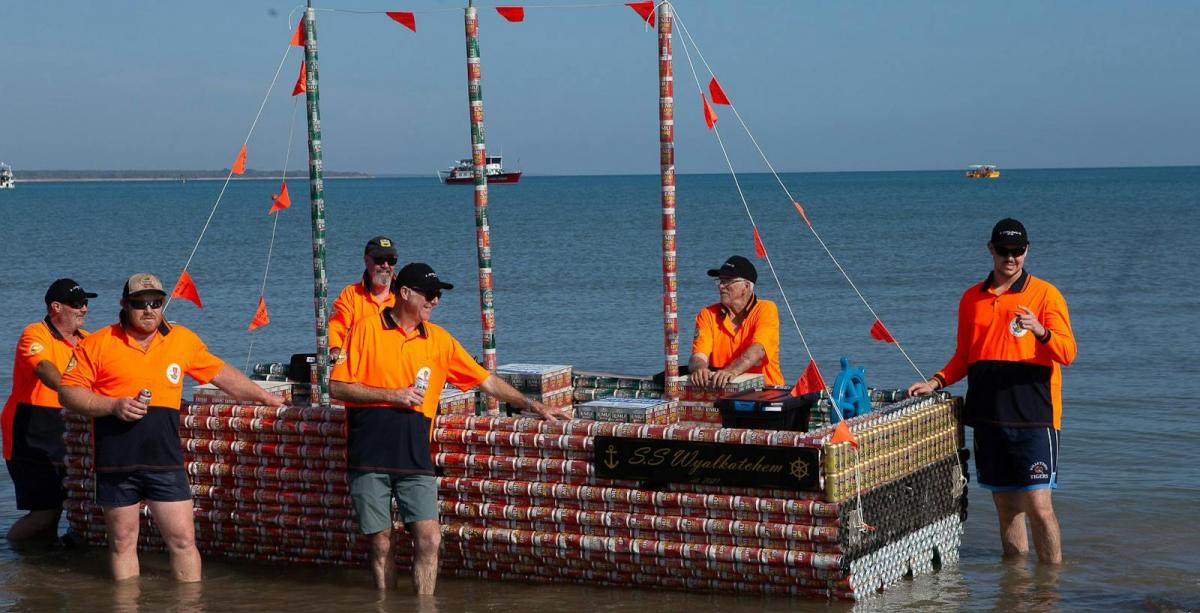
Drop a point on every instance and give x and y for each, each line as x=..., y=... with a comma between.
x=666, y=139
x=483, y=241
x=316, y=192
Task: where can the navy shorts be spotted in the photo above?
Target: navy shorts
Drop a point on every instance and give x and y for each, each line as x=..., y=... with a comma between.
x=129, y=488
x=38, y=483
x=1014, y=459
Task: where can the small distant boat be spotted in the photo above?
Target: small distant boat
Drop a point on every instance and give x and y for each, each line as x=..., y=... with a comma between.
x=982, y=171
x=6, y=176
x=463, y=172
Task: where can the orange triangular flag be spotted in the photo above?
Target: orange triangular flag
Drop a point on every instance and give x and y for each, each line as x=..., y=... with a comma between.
x=710, y=116
x=404, y=18
x=261, y=318
x=186, y=289
x=800, y=209
x=880, y=333
x=302, y=82
x=645, y=9
x=759, y=249
x=810, y=381
x=512, y=13
x=239, y=165
x=281, y=200
x=842, y=434
x=718, y=94
x=298, y=36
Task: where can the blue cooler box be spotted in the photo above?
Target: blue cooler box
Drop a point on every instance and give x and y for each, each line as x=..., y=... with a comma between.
x=767, y=409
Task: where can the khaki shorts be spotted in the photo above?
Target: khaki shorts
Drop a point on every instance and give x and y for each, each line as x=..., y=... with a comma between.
x=372, y=493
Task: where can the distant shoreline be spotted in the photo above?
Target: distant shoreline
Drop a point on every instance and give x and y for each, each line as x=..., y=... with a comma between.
x=179, y=180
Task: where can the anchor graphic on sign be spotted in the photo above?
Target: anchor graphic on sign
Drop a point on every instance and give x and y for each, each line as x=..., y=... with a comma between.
x=611, y=457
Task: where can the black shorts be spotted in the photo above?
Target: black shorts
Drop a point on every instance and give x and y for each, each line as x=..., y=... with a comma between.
x=129, y=488
x=38, y=483
x=1014, y=459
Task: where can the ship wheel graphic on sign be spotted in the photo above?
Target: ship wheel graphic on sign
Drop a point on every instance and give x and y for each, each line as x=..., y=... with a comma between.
x=799, y=469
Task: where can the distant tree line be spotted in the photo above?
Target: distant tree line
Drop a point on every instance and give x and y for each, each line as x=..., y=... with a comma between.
x=170, y=174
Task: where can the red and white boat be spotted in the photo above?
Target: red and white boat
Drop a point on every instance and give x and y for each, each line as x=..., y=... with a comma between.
x=463, y=172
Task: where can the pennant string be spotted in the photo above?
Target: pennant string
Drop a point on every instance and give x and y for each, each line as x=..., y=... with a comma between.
x=737, y=183
x=229, y=177
x=287, y=156
x=787, y=192
x=583, y=5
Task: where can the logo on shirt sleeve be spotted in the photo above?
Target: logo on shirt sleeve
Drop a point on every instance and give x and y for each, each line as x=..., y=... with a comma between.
x=174, y=373
x=35, y=348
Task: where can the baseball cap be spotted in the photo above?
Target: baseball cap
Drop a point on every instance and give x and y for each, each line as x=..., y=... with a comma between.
x=142, y=283
x=379, y=247
x=66, y=290
x=1009, y=232
x=420, y=276
x=738, y=267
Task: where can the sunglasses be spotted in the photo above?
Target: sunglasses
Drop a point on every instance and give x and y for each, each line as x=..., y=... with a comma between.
x=429, y=294
x=77, y=304
x=390, y=260
x=1015, y=252
x=725, y=282
x=138, y=305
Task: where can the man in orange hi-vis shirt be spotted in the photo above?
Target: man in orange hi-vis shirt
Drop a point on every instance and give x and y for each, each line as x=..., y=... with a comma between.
x=135, y=438
x=739, y=334
x=1014, y=337
x=393, y=370
x=366, y=297
x=33, y=426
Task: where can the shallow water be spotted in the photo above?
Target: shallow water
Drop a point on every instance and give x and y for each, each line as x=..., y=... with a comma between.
x=578, y=282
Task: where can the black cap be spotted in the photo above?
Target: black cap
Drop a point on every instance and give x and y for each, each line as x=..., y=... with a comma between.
x=66, y=290
x=738, y=267
x=1009, y=232
x=380, y=246
x=419, y=275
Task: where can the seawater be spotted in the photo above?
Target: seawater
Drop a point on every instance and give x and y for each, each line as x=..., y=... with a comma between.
x=578, y=281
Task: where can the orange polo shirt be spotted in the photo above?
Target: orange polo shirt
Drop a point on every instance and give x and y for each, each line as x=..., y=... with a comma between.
x=378, y=353
x=1014, y=379
x=716, y=338
x=355, y=303
x=31, y=424
x=113, y=364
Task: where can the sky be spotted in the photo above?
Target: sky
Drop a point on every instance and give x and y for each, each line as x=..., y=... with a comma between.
x=824, y=85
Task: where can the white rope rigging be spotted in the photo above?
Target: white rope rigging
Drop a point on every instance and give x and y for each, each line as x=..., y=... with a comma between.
x=858, y=522
x=791, y=198
x=787, y=303
x=229, y=176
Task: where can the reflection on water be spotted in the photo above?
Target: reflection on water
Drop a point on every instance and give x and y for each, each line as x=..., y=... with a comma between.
x=1027, y=586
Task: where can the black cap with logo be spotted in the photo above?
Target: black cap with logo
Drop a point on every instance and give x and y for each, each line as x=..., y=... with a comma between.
x=1009, y=232
x=66, y=291
x=379, y=247
x=419, y=275
x=736, y=267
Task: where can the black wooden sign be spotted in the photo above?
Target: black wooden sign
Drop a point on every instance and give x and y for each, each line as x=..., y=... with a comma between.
x=659, y=461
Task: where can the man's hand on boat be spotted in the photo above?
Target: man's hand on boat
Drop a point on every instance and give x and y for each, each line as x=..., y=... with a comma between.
x=921, y=388
x=549, y=413
x=500, y=389
x=231, y=381
x=707, y=378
